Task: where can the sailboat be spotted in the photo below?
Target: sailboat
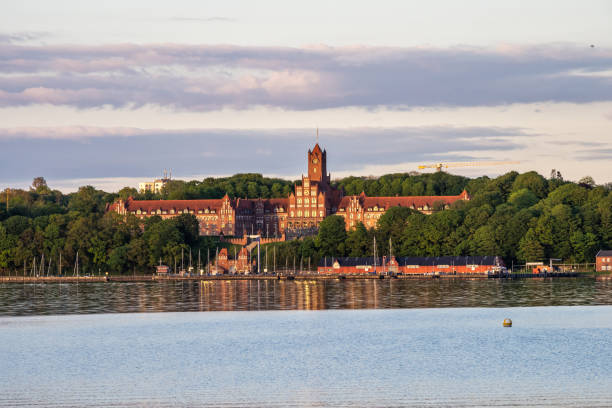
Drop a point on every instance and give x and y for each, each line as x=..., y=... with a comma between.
x=182, y=271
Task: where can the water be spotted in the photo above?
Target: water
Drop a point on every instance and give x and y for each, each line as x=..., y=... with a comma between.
x=553, y=356
x=51, y=299
x=406, y=344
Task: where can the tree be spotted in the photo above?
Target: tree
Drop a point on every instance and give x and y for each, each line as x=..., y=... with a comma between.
x=126, y=192
x=331, y=236
x=391, y=223
x=533, y=182
x=523, y=198
x=118, y=259
x=88, y=200
x=189, y=228
x=39, y=184
x=530, y=248
x=358, y=241
x=587, y=181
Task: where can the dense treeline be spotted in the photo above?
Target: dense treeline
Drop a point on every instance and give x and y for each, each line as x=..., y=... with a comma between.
x=404, y=184
x=248, y=185
x=518, y=216
x=46, y=222
x=521, y=217
x=253, y=185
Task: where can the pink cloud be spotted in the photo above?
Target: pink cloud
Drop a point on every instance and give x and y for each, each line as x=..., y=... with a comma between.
x=210, y=77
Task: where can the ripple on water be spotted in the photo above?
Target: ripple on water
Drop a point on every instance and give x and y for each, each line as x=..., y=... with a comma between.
x=49, y=299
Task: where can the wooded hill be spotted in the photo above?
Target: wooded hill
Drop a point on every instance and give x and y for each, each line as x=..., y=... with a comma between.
x=522, y=217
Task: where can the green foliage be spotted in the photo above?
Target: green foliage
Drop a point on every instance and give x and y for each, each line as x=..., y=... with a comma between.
x=521, y=217
x=533, y=182
x=523, y=198
x=439, y=183
x=331, y=237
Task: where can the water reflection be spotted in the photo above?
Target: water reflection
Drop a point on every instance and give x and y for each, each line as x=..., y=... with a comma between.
x=40, y=299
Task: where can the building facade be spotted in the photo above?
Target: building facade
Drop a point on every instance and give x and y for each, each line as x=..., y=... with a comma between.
x=307, y=205
x=446, y=265
x=603, y=261
x=224, y=264
x=154, y=186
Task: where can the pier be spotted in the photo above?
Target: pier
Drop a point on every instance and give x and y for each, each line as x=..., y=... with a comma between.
x=286, y=276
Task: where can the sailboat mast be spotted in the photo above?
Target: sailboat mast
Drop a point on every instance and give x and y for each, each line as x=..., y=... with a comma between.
x=374, y=254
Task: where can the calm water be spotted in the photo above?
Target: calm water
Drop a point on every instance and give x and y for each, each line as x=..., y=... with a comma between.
x=410, y=343
x=51, y=299
x=553, y=356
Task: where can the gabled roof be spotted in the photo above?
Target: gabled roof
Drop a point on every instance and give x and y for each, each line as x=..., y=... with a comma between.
x=404, y=201
x=316, y=148
x=604, y=252
x=167, y=205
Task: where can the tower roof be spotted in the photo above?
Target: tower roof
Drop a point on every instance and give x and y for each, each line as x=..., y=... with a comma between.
x=317, y=149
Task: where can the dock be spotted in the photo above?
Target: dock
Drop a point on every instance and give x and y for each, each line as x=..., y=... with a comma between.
x=283, y=277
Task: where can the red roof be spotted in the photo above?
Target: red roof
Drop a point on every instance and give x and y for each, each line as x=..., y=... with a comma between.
x=407, y=201
x=167, y=205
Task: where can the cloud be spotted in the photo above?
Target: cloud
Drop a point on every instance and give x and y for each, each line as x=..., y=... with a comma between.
x=595, y=154
x=90, y=152
x=214, y=77
x=20, y=37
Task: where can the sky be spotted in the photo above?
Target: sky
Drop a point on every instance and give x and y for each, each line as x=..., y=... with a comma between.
x=112, y=93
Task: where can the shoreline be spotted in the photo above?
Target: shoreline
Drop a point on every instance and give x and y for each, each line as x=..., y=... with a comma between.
x=285, y=277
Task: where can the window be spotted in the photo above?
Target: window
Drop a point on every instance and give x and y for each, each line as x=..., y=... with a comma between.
x=299, y=201
x=313, y=192
x=306, y=201
x=299, y=213
x=306, y=213
x=320, y=213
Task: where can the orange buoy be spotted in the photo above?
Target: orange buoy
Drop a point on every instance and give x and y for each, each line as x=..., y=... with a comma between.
x=507, y=322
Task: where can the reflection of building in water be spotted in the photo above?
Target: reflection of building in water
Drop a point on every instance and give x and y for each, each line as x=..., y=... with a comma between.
x=412, y=265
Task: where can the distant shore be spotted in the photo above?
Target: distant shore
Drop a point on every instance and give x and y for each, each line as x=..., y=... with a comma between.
x=297, y=277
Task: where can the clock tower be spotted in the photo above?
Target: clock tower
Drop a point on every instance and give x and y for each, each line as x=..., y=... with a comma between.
x=317, y=165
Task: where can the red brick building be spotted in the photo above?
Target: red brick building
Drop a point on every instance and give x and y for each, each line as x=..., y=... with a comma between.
x=446, y=265
x=603, y=261
x=224, y=264
x=309, y=203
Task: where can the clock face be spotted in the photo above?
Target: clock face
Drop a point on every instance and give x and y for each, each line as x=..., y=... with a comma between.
x=315, y=160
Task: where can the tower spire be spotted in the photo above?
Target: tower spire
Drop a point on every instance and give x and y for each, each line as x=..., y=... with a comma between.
x=317, y=135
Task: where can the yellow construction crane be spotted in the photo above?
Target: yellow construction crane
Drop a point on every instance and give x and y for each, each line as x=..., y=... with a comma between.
x=440, y=166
